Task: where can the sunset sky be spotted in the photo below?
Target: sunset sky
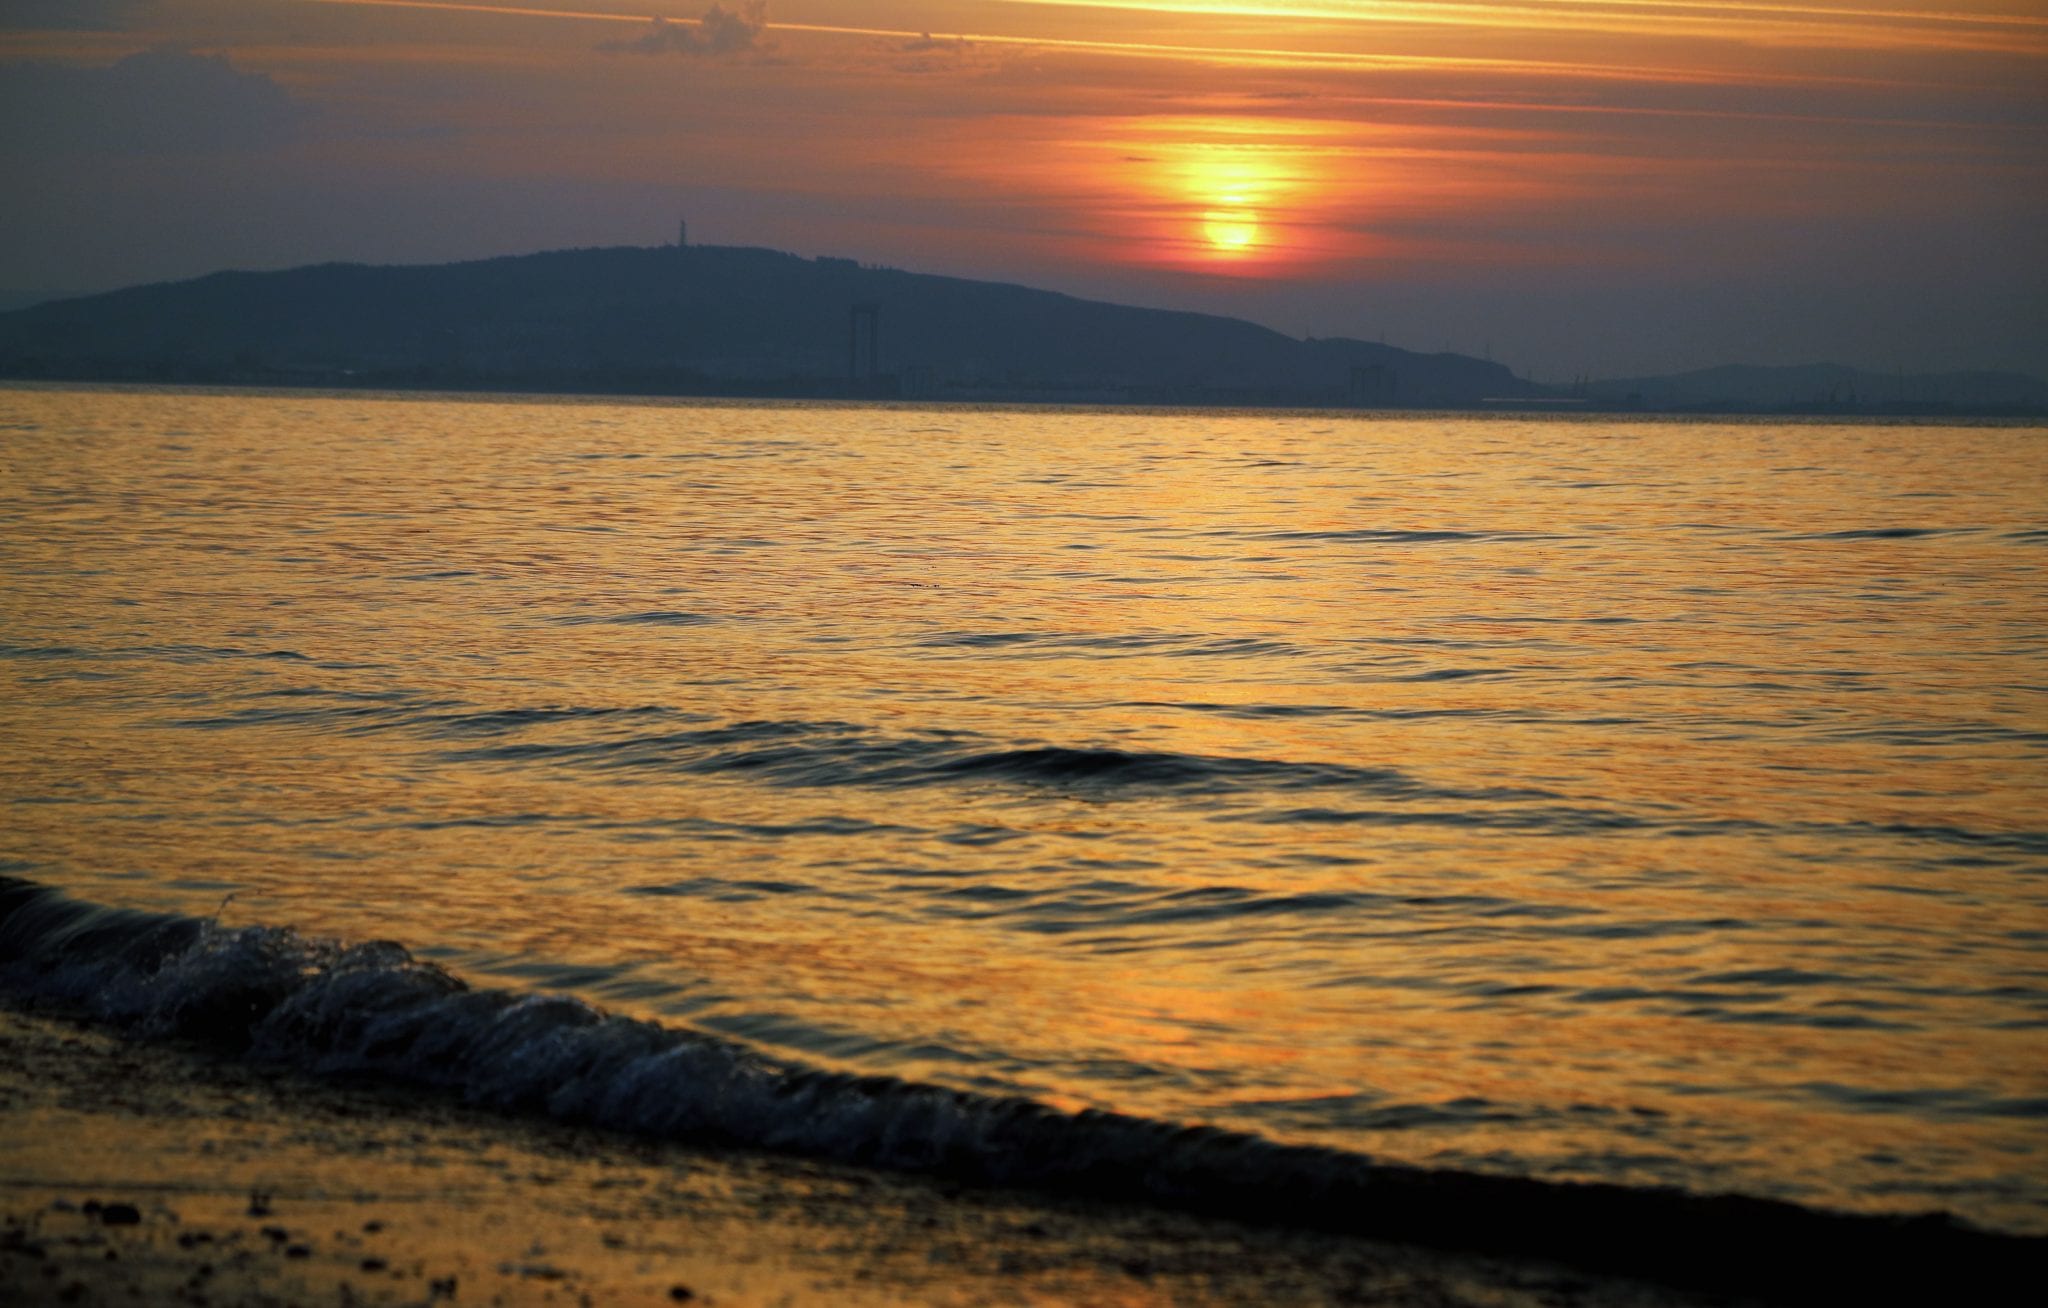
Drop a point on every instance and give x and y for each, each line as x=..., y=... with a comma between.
x=1606, y=188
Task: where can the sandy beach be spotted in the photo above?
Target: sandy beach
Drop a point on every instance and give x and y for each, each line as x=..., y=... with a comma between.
x=135, y=1172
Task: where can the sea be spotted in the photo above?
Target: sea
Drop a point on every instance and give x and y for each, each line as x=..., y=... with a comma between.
x=1637, y=800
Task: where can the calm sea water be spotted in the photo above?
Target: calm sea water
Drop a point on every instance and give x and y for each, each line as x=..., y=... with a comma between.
x=1646, y=801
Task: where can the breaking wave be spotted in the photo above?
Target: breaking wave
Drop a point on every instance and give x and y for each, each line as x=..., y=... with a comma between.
x=326, y=1007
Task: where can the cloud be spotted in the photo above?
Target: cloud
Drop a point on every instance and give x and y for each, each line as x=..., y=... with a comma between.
x=925, y=44
x=68, y=15
x=926, y=53
x=720, y=31
x=164, y=100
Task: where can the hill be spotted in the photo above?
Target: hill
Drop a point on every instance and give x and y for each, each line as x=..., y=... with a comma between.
x=708, y=320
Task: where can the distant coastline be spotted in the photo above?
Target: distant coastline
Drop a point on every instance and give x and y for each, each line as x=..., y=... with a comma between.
x=1023, y=401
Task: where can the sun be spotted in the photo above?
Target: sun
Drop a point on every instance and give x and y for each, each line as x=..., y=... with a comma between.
x=1235, y=197
x=1234, y=188
x=1231, y=231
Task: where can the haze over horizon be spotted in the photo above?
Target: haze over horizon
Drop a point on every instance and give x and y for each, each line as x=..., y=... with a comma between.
x=1608, y=189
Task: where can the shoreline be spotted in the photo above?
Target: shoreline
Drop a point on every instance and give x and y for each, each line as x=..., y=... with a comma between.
x=158, y=1172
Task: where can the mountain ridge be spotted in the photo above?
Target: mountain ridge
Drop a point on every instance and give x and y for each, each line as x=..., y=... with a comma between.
x=747, y=321
x=709, y=319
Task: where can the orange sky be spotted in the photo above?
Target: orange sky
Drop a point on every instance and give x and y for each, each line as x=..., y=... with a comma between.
x=1627, y=185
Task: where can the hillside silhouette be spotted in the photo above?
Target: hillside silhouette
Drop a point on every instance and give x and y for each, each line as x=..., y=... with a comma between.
x=708, y=320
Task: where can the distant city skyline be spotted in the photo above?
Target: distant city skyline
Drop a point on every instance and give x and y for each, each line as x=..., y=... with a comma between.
x=1605, y=189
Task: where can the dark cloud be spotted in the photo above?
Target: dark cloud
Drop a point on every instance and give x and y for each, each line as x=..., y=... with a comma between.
x=925, y=44
x=720, y=31
x=68, y=15
x=929, y=54
x=158, y=101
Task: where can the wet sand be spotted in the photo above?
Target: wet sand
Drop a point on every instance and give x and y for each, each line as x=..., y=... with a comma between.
x=136, y=1172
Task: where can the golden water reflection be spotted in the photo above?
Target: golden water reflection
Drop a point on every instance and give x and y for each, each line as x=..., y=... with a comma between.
x=1643, y=800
